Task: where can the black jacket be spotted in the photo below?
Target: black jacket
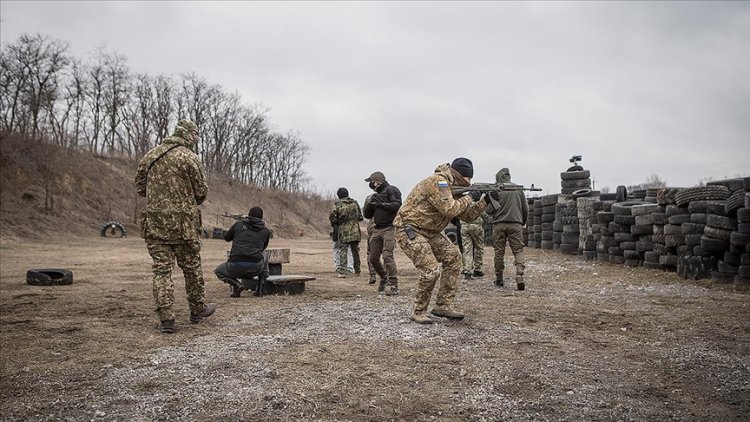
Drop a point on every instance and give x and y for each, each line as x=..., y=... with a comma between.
x=383, y=205
x=249, y=238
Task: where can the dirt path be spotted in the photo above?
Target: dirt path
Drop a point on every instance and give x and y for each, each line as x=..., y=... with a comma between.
x=586, y=341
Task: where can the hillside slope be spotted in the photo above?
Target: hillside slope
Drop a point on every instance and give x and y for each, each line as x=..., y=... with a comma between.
x=48, y=191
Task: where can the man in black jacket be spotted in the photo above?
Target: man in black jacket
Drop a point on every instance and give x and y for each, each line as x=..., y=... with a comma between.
x=382, y=208
x=249, y=237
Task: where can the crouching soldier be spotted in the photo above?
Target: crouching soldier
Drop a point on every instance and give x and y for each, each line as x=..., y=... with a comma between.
x=249, y=237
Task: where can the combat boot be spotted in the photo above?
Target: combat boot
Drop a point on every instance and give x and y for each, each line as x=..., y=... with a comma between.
x=381, y=286
x=519, y=282
x=208, y=310
x=421, y=318
x=499, y=279
x=392, y=287
x=236, y=290
x=447, y=312
x=373, y=279
x=478, y=273
x=467, y=276
x=167, y=327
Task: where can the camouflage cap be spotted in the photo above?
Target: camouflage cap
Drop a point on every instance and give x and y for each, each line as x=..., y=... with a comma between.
x=376, y=177
x=184, y=128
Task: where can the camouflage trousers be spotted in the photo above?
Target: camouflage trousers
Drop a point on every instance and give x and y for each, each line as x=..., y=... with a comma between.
x=370, y=269
x=472, y=240
x=436, y=258
x=383, y=243
x=188, y=259
x=513, y=234
x=344, y=252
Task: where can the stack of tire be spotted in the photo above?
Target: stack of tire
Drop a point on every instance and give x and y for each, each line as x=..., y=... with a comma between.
x=606, y=237
x=586, y=216
x=575, y=179
x=695, y=264
x=643, y=231
x=528, y=231
x=673, y=237
x=570, y=230
x=537, y=223
x=740, y=236
x=651, y=195
x=638, y=195
x=547, y=219
x=718, y=227
x=624, y=252
x=557, y=225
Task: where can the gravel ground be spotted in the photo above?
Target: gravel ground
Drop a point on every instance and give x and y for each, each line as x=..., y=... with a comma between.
x=585, y=341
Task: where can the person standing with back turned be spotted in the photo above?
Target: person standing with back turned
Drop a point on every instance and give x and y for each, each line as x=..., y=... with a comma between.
x=419, y=228
x=508, y=211
x=346, y=214
x=171, y=178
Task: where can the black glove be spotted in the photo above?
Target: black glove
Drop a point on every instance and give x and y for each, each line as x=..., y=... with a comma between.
x=495, y=195
x=487, y=199
x=475, y=195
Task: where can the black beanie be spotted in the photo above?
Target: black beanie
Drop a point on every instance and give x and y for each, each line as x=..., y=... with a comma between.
x=463, y=166
x=342, y=193
x=256, y=212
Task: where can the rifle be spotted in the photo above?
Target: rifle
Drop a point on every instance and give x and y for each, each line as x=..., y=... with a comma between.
x=491, y=187
x=235, y=216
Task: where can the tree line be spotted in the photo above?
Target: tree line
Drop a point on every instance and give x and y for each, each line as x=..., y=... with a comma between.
x=99, y=105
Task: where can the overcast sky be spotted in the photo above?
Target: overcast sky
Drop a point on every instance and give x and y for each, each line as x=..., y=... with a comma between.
x=637, y=88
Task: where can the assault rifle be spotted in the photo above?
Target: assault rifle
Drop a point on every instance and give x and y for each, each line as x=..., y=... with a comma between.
x=235, y=216
x=491, y=187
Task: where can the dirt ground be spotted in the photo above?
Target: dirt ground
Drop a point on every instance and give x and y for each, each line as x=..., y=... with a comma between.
x=586, y=341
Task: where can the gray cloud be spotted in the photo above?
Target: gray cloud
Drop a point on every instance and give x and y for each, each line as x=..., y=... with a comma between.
x=636, y=88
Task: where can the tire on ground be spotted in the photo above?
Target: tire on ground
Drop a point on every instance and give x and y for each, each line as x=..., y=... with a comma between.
x=49, y=277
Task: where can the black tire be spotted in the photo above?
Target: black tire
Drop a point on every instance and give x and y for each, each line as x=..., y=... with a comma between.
x=625, y=220
x=679, y=219
x=642, y=229
x=548, y=218
x=608, y=197
x=743, y=215
x=732, y=259
x=575, y=175
x=692, y=228
x=717, y=233
x=581, y=193
x=698, y=218
x=714, y=245
x=624, y=208
x=721, y=222
x=621, y=194
x=604, y=217
x=707, y=207
x=735, y=202
x=548, y=200
x=49, y=277
x=675, y=210
x=113, y=229
x=744, y=228
x=710, y=192
x=739, y=239
x=576, y=184
x=575, y=168
x=569, y=248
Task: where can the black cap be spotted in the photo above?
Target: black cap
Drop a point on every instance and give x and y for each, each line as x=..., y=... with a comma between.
x=378, y=176
x=463, y=166
x=342, y=193
x=255, y=212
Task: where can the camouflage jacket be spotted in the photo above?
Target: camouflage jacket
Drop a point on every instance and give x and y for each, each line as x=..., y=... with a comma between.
x=174, y=187
x=430, y=206
x=346, y=214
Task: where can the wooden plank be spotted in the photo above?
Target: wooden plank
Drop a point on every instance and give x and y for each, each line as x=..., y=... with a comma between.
x=277, y=256
x=286, y=279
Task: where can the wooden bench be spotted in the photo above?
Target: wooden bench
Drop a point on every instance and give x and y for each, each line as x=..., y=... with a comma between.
x=278, y=283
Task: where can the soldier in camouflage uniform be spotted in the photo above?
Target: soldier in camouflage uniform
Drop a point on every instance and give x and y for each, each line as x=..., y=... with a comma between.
x=472, y=238
x=419, y=228
x=171, y=178
x=346, y=214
